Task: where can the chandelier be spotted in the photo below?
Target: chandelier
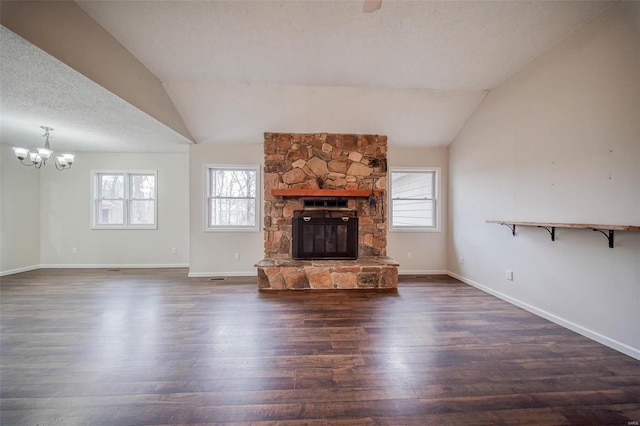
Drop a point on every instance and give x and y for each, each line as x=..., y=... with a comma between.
x=39, y=157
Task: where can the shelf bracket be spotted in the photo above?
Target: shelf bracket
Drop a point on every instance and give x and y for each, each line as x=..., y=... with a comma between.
x=608, y=234
x=551, y=231
x=512, y=227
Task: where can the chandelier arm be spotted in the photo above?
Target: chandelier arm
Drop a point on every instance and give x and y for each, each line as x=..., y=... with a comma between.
x=27, y=164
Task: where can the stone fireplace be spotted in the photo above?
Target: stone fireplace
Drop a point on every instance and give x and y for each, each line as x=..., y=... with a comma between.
x=325, y=212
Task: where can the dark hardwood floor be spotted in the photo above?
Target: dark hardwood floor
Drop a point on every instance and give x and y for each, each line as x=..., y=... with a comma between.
x=135, y=347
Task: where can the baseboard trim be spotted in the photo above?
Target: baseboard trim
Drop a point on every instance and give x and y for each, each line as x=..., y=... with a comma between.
x=113, y=265
x=222, y=274
x=593, y=335
x=422, y=272
x=19, y=270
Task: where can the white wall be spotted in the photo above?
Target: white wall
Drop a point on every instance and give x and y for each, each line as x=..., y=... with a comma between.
x=212, y=253
x=427, y=250
x=65, y=215
x=19, y=214
x=559, y=141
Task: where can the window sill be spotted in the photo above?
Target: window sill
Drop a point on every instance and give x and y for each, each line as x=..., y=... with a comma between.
x=401, y=230
x=120, y=228
x=232, y=229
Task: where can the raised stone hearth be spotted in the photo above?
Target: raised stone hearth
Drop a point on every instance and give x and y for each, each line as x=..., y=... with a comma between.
x=355, y=165
x=363, y=273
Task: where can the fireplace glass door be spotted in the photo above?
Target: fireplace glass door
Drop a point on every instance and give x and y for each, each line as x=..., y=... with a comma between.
x=325, y=237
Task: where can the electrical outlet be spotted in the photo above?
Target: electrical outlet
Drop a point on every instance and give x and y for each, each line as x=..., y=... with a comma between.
x=409, y=255
x=174, y=250
x=461, y=260
x=509, y=275
x=236, y=256
x=74, y=250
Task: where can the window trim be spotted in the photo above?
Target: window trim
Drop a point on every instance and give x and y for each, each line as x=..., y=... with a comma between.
x=93, y=210
x=207, y=192
x=436, y=200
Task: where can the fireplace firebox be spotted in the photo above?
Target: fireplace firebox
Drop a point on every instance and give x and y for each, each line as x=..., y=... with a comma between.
x=325, y=234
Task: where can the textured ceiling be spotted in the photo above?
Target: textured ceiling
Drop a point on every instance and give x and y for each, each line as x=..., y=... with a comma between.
x=414, y=70
x=38, y=90
x=446, y=45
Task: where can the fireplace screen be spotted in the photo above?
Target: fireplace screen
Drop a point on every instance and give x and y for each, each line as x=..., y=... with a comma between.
x=325, y=235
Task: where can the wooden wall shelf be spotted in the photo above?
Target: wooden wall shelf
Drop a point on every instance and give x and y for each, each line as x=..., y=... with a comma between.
x=325, y=192
x=606, y=230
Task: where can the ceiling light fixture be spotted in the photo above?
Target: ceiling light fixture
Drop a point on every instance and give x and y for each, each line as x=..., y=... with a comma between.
x=370, y=6
x=39, y=157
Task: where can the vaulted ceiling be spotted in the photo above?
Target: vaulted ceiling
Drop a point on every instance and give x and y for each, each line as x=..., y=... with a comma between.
x=234, y=69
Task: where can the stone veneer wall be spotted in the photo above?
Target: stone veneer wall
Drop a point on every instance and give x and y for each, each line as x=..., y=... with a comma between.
x=324, y=161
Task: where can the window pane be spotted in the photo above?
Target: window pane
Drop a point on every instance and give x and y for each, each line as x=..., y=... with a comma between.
x=141, y=212
x=412, y=213
x=110, y=212
x=142, y=186
x=111, y=186
x=412, y=185
x=233, y=212
x=233, y=183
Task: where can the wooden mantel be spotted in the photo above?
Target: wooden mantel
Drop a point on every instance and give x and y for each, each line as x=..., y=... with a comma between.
x=551, y=227
x=290, y=192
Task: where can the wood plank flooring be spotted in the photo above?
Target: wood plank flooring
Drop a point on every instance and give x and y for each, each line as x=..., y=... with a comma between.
x=137, y=347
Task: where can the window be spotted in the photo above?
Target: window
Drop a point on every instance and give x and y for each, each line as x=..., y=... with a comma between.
x=124, y=200
x=414, y=204
x=232, y=198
